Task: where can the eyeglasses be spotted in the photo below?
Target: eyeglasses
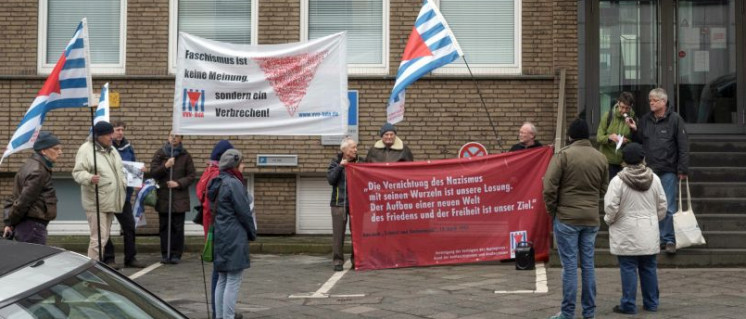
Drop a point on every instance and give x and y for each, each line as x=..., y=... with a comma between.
x=655, y=100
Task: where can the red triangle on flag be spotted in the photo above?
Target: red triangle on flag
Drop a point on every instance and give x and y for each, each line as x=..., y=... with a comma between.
x=194, y=97
x=416, y=47
x=291, y=75
x=52, y=84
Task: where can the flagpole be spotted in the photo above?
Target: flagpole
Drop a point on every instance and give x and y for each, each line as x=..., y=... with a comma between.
x=489, y=117
x=95, y=172
x=170, y=194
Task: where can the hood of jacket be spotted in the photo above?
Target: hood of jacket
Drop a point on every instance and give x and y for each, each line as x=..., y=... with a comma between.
x=638, y=177
x=214, y=187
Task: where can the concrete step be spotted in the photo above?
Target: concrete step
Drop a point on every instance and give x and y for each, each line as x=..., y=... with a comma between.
x=722, y=222
x=717, y=190
x=735, y=145
x=712, y=222
x=684, y=258
x=716, y=159
x=715, y=239
x=717, y=174
x=703, y=206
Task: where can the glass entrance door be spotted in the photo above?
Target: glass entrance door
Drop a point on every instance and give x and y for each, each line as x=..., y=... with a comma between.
x=706, y=63
x=628, y=46
x=694, y=49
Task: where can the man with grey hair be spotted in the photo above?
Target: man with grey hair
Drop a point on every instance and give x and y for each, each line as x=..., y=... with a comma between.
x=662, y=132
x=526, y=137
x=339, y=204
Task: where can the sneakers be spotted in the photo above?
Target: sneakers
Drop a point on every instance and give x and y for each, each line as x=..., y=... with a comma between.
x=559, y=315
x=338, y=268
x=671, y=248
x=175, y=260
x=134, y=263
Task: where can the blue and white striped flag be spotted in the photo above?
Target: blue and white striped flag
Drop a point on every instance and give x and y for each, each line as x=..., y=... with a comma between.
x=102, y=111
x=430, y=46
x=69, y=85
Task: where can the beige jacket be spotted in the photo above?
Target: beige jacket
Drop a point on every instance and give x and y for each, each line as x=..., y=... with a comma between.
x=633, y=217
x=112, y=186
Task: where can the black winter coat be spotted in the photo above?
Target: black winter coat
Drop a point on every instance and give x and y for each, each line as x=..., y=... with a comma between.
x=665, y=142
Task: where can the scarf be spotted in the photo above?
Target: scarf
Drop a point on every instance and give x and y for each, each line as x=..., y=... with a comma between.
x=177, y=150
x=237, y=174
x=639, y=177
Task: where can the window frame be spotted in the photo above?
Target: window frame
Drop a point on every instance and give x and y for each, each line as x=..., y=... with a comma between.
x=44, y=68
x=173, y=30
x=492, y=69
x=358, y=69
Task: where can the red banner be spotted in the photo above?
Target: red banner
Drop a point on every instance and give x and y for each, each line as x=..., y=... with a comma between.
x=448, y=211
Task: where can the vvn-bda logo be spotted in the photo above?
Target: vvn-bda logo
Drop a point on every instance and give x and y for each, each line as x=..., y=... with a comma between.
x=515, y=238
x=193, y=103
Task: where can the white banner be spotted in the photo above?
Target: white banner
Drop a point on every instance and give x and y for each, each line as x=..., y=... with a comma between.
x=284, y=89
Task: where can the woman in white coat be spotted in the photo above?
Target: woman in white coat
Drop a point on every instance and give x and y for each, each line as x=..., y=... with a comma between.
x=634, y=203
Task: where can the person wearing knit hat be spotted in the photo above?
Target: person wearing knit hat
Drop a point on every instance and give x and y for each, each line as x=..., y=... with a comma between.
x=233, y=227
x=390, y=148
x=576, y=178
x=173, y=169
x=103, y=128
x=634, y=204
x=103, y=186
x=578, y=130
x=35, y=200
x=126, y=219
x=211, y=171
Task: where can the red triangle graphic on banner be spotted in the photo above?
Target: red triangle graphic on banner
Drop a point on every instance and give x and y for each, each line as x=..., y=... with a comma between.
x=194, y=97
x=416, y=47
x=291, y=75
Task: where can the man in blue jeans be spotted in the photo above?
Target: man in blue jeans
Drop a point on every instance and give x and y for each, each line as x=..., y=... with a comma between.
x=575, y=180
x=662, y=133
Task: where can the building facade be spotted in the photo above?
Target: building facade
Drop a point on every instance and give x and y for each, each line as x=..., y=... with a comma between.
x=515, y=49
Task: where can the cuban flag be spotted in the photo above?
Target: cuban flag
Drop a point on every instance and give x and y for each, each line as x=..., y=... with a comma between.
x=69, y=85
x=430, y=46
x=102, y=111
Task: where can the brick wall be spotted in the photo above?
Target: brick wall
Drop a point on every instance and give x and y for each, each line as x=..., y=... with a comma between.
x=275, y=203
x=19, y=27
x=442, y=113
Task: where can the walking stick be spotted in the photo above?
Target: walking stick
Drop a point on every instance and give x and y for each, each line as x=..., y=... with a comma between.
x=95, y=172
x=170, y=193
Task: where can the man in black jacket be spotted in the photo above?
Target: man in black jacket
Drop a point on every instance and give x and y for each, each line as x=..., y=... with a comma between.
x=340, y=206
x=34, y=198
x=662, y=133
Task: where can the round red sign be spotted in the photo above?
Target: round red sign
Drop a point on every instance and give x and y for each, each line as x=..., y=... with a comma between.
x=472, y=149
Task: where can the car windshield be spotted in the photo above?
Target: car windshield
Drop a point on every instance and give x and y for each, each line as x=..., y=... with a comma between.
x=93, y=293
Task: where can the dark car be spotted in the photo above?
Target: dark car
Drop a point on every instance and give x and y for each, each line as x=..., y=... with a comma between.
x=39, y=281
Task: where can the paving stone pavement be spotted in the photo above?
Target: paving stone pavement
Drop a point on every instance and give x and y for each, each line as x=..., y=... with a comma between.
x=442, y=292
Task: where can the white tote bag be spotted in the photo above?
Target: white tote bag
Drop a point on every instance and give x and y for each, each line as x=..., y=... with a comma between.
x=685, y=224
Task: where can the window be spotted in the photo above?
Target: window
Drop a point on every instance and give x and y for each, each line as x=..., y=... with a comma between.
x=366, y=23
x=488, y=32
x=106, y=32
x=232, y=21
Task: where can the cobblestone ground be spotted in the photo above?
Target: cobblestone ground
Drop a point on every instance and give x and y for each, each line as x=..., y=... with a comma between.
x=463, y=291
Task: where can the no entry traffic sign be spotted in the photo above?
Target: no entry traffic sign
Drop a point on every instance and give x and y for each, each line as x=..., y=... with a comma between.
x=472, y=149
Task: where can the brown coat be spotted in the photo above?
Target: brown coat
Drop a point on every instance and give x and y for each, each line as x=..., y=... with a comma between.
x=398, y=152
x=33, y=192
x=575, y=182
x=184, y=174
